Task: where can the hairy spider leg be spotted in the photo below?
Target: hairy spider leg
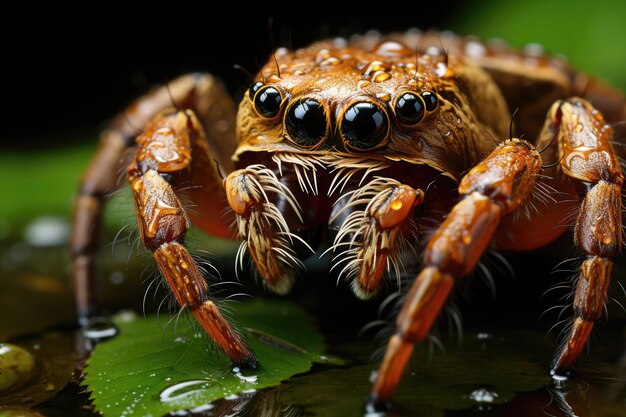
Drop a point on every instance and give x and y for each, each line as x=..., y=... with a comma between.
x=495, y=187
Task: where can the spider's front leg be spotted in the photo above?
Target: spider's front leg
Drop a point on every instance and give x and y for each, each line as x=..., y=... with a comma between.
x=255, y=195
x=372, y=239
x=492, y=189
x=587, y=159
x=163, y=158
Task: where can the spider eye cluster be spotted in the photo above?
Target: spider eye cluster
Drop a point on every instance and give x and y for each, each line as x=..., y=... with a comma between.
x=363, y=125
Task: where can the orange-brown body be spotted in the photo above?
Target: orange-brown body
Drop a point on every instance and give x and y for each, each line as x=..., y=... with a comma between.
x=356, y=144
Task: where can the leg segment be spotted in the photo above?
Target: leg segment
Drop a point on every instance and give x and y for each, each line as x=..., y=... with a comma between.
x=495, y=187
x=199, y=92
x=588, y=158
x=164, y=150
x=370, y=239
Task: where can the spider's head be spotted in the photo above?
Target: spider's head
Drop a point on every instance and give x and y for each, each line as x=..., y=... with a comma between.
x=371, y=99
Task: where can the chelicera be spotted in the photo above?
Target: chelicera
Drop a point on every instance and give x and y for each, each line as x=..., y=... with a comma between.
x=339, y=144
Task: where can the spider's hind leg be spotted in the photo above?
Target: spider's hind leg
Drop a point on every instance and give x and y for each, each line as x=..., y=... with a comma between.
x=588, y=160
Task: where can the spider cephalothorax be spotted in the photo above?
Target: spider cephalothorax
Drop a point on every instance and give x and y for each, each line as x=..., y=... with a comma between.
x=341, y=142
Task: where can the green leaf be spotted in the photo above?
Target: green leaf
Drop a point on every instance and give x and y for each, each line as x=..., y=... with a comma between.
x=152, y=371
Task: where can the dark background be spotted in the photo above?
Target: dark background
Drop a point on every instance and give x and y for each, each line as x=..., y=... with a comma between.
x=70, y=75
x=66, y=71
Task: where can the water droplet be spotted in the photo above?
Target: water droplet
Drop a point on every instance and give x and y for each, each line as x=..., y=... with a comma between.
x=340, y=42
x=250, y=379
x=16, y=366
x=99, y=329
x=373, y=377
x=183, y=390
x=231, y=397
x=380, y=76
x=181, y=340
x=434, y=51
x=374, y=66
x=483, y=396
x=330, y=62
x=322, y=55
x=393, y=49
x=534, y=50
x=126, y=316
x=441, y=69
x=475, y=49
x=483, y=336
x=116, y=277
x=47, y=231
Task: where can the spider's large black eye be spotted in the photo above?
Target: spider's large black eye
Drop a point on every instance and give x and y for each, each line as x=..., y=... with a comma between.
x=254, y=88
x=364, y=125
x=306, y=122
x=267, y=102
x=410, y=108
x=431, y=100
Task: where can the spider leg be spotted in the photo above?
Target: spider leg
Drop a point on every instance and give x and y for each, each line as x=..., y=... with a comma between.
x=495, y=187
x=164, y=153
x=199, y=92
x=262, y=226
x=370, y=237
x=587, y=157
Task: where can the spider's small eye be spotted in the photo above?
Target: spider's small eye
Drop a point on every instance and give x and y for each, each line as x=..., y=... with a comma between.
x=364, y=125
x=267, y=102
x=254, y=88
x=306, y=122
x=431, y=100
x=410, y=108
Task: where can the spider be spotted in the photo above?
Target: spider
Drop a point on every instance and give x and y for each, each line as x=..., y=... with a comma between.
x=342, y=143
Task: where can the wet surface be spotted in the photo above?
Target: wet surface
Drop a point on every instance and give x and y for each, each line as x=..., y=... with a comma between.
x=499, y=368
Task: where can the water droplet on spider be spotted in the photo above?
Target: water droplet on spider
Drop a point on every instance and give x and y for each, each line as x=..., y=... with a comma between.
x=183, y=390
x=17, y=365
x=483, y=396
x=99, y=329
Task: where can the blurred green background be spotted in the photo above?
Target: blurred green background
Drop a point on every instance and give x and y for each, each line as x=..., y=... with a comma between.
x=52, y=130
